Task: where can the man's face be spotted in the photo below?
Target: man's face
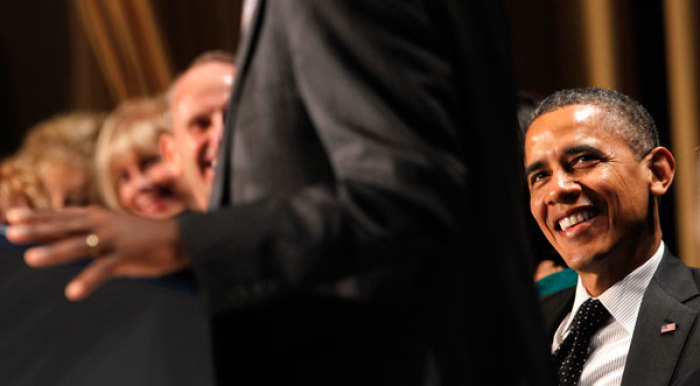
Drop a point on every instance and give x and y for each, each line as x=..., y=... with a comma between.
x=589, y=193
x=199, y=100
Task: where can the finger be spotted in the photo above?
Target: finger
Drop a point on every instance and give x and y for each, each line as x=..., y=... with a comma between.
x=59, y=252
x=139, y=268
x=50, y=228
x=25, y=215
x=18, y=215
x=91, y=278
x=41, y=233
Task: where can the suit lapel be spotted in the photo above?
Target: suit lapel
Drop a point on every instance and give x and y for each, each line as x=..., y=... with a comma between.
x=653, y=355
x=225, y=158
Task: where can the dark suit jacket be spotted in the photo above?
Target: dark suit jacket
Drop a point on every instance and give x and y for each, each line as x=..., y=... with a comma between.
x=335, y=251
x=654, y=358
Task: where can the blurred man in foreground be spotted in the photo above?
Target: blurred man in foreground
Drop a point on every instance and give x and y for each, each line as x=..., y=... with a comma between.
x=343, y=245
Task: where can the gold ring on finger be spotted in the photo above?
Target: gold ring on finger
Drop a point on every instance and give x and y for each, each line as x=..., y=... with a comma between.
x=93, y=243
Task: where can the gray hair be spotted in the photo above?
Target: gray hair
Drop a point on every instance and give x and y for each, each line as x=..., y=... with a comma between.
x=628, y=118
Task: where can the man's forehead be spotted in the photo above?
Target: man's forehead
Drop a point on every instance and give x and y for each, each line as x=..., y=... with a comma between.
x=203, y=79
x=566, y=128
x=568, y=120
x=568, y=115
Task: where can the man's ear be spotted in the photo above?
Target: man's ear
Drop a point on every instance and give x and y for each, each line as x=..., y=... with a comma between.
x=662, y=167
x=170, y=155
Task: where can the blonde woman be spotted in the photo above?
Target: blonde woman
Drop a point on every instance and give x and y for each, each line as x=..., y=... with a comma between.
x=131, y=175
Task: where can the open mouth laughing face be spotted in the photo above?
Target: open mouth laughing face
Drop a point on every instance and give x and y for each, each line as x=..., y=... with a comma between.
x=146, y=186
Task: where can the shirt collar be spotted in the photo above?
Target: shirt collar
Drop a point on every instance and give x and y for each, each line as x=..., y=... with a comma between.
x=623, y=299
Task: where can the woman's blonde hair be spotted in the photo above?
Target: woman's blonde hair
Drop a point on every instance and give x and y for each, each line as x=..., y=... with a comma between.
x=21, y=186
x=134, y=126
x=65, y=139
x=69, y=137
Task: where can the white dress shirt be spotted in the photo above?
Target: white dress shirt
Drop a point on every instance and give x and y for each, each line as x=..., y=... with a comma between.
x=609, y=346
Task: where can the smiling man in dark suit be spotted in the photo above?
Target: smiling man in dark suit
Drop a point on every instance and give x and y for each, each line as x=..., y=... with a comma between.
x=596, y=174
x=347, y=215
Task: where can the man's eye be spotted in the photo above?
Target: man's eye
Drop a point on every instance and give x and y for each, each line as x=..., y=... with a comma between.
x=201, y=123
x=585, y=160
x=538, y=176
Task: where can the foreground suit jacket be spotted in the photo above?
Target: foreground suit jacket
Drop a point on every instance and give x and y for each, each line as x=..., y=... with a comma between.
x=654, y=358
x=368, y=143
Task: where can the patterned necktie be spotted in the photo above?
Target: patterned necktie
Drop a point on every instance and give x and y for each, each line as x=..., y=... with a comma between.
x=573, y=351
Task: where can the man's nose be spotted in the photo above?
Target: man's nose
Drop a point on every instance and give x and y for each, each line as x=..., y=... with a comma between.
x=564, y=189
x=215, y=135
x=217, y=131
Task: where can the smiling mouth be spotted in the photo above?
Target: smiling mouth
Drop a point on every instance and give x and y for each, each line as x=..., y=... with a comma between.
x=575, y=218
x=159, y=198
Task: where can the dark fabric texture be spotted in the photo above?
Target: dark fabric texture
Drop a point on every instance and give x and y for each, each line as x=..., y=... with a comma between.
x=371, y=149
x=127, y=333
x=654, y=358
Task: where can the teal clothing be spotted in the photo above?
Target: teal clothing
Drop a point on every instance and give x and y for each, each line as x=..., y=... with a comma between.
x=557, y=282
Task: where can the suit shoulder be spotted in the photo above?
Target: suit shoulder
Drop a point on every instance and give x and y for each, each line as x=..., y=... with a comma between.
x=678, y=280
x=557, y=298
x=556, y=303
x=554, y=307
x=695, y=272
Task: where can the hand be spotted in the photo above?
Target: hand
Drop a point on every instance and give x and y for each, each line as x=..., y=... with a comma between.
x=125, y=245
x=20, y=187
x=10, y=201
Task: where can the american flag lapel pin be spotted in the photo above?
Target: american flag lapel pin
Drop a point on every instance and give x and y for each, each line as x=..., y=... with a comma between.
x=668, y=327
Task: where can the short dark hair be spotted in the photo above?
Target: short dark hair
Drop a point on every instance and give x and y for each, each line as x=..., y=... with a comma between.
x=627, y=117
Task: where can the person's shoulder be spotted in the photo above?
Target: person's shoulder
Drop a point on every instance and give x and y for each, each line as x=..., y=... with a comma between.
x=558, y=297
x=678, y=280
x=554, y=307
x=673, y=260
x=557, y=302
x=695, y=272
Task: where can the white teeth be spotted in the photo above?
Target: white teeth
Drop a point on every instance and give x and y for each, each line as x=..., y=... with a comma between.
x=574, y=219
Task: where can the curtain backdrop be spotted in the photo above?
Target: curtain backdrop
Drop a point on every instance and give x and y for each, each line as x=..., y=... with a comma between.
x=134, y=47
